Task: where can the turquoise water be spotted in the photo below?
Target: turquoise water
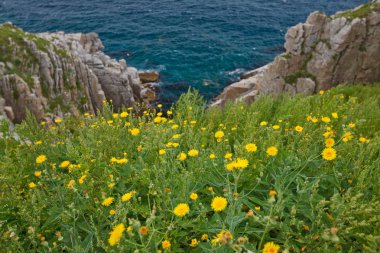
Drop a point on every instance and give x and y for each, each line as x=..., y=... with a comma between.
x=205, y=44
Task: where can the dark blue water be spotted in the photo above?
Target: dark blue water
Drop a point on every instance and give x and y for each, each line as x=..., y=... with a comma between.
x=191, y=42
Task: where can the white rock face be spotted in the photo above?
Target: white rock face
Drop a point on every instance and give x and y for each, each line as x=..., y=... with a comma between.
x=68, y=74
x=320, y=54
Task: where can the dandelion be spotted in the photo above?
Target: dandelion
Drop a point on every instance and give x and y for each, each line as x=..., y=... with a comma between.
x=228, y=156
x=64, y=164
x=176, y=136
x=144, y=230
x=135, y=131
x=124, y=114
x=326, y=119
x=175, y=126
x=193, y=196
x=251, y=147
x=181, y=209
x=351, y=125
x=329, y=142
x=363, y=140
x=321, y=92
x=334, y=115
x=116, y=234
x=58, y=120
x=162, y=152
x=218, y=204
x=37, y=173
x=127, y=196
x=212, y=156
x=263, y=123
x=82, y=178
x=193, y=153
x=32, y=185
x=41, y=159
x=272, y=193
x=204, y=237
x=241, y=163
x=276, y=127
x=272, y=151
x=298, y=129
x=108, y=201
x=71, y=184
x=329, y=154
x=112, y=212
x=166, y=244
x=182, y=156
x=271, y=247
x=194, y=243
x=219, y=134
x=222, y=237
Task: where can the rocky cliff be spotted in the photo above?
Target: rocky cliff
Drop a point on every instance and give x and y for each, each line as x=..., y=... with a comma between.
x=53, y=74
x=321, y=53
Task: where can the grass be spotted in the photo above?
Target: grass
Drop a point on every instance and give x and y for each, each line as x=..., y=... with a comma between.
x=361, y=12
x=127, y=174
x=292, y=79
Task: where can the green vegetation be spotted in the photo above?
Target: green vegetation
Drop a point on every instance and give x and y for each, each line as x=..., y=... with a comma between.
x=361, y=12
x=286, y=56
x=292, y=79
x=289, y=174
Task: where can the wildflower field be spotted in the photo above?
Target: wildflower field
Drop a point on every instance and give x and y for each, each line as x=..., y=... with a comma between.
x=284, y=174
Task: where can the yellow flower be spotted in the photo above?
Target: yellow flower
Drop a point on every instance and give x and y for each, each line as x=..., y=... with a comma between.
x=64, y=164
x=115, y=115
x=219, y=134
x=159, y=105
x=162, y=152
x=222, y=237
x=271, y=247
x=112, y=212
x=204, y=237
x=329, y=142
x=326, y=119
x=321, y=92
x=70, y=184
x=228, y=156
x=37, y=173
x=124, y=114
x=251, y=147
x=272, y=151
x=166, y=244
x=169, y=112
x=115, y=234
x=276, y=127
x=182, y=156
x=38, y=142
x=298, y=129
x=127, y=196
x=176, y=136
x=32, y=185
x=135, y=131
x=108, y=201
x=139, y=148
x=181, y=209
x=263, y=123
x=41, y=159
x=82, y=178
x=314, y=120
x=351, y=125
x=175, y=126
x=241, y=163
x=58, y=120
x=363, y=139
x=193, y=196
x=334, y=115
x=144, y=230
x=193, y=153
x=329, y=154
x=218, y=204
x=272, y=193
x=194, y=243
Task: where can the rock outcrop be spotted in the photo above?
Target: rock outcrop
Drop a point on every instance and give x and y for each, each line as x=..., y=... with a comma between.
x=53, y=74
x=321, y=53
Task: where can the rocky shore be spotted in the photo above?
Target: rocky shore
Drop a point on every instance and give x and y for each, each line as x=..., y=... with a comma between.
x=54, y=74
x=320, y=54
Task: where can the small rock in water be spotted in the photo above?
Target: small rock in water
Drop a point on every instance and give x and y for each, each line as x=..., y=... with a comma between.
x=149, y=77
